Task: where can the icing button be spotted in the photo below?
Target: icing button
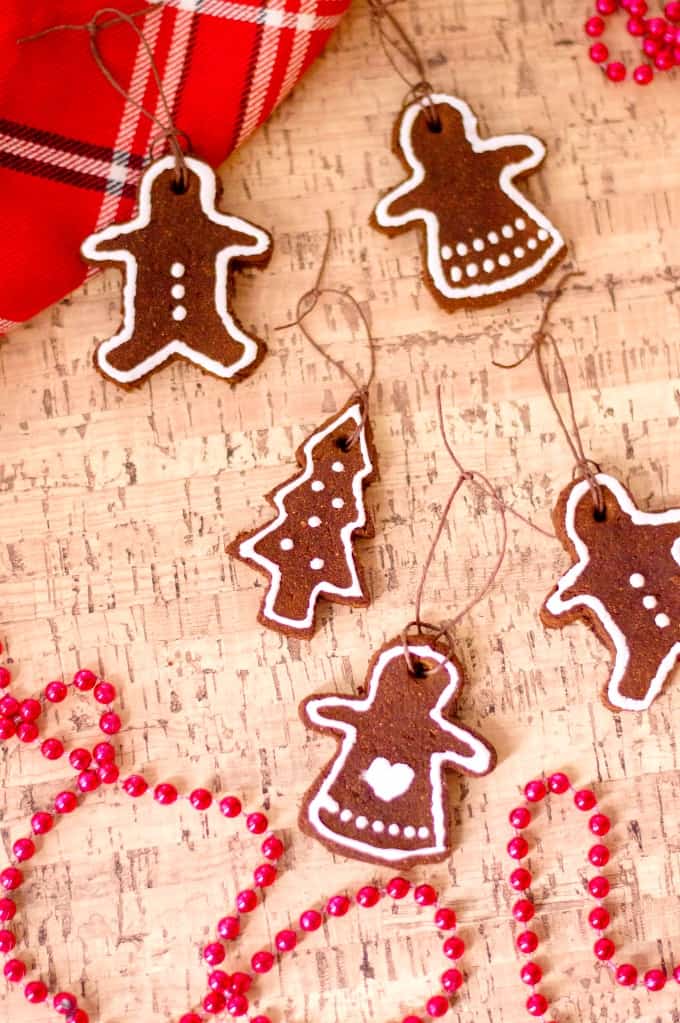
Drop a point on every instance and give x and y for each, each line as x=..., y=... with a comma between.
x=461, y=249
x=504, y=259
x=179, y=313
x=178, y=269
x=346, y=815
x=532, y=243
x=488, y=266
x=177, y=291
x=317, y=564
x=472, y=269
x=662, y=621
x=637, y=580
x=318, y=485
x=519, y=252
x=507, y=231
x=456, y=274
x=338, y=467
x=543, y=235
x=520, y=224
x=338, y=502
x=286, y=544
x=409, y=831
x=361, y=822
x=313, y=521
x=493, y=237
x=447, y=252
x=478, y=245
x=649, y=602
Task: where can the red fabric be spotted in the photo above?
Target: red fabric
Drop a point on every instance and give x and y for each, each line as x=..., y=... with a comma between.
x=72, y=149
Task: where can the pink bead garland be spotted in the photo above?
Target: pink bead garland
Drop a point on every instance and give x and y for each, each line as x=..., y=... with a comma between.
x=660, y=38
x=599, y=918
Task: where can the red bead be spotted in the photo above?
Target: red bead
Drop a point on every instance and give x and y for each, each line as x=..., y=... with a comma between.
x=190, y=1017
x=80, y=759
x=246, y=901
x=201, y=799
x=594, y=26
x=520, y=879
x=599, y=855
x=52, y=749
x=214, y=953
x=229, y=928
x=585, y=800
x=23, y=849
x=218, y=980
x=606, y=6
x=368, y=896
x=655, y=980
x=672, y=11
x=537, y=1005
x=604, y=949
x=286, y=940
x=88, y=781
x=398, y=887
x=7, y=942
x=5, y=677
x=616, y=71
x=676, y=971
x=262, y=962
x=338, y=905
x=636, y=26
x=165, y=794
x=41, y=823
x=272, y=848
x=56, y=692
x=637, y=8
x=260, y=1019
x=664, y=61
x=237, y=1005
x=523, y=911
x=230, y=806
x=256, y=823
x=239, y=983
x=8, y=910
x=27, y=731
x=65, y=802
x=214, y=1002
x=650, y=47
x=84, y=680
x=104, y=692
x=599, y=887
x=626, y=975
x=437, y=1006
x=600, y=825
x=11, y=878
x=7, y=728
x=135, y=785
x=35, y=992
x=599, y=918
x=79, y=1016
x=64, y=1002
x=310, y=920
x=527, y=942
x=104, y=753
x=445, y=919
x=535, y=791
x=9, y=706
x=531, y=974
x=412, y=1019
x=518, y=847
x=520, y=817
x=452, y=981
x=108, y=773
x=30, y=710
x=110, y=723
x=425, y=895
x=656, y=26
x=453, y=947
x=598, y=53
x=264, y=875
x=15, y=970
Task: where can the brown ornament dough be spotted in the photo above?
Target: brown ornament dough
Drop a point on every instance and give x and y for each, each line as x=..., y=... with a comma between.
x=382, y=798
x=482, y=240
x=178, y=252
x=624, y=584
x=307, y=550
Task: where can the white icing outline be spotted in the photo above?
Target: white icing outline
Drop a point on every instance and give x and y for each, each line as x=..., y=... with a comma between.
x=479, y=763
x=247, y=546
x=555, y=605
x=261, y=243
x=508, y=174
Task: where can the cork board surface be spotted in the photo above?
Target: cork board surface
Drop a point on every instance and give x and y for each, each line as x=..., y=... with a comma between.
x=116, y=508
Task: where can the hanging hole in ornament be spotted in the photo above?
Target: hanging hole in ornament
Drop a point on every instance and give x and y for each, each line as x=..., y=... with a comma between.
x=343, y=443
x=434, y=124
x=180, y=185
x=420, y=669
x=600, y=514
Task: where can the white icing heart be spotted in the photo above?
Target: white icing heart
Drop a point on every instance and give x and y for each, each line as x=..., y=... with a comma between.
x=387, y=780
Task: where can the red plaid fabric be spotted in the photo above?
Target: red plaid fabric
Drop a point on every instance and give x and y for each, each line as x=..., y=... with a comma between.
x=72, y=149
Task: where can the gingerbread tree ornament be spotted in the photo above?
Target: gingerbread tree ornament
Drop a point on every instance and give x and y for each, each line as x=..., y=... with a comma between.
x=624, y=584
x=483, y=240
x=307, y=550
x=178, y=253
x=383, y=796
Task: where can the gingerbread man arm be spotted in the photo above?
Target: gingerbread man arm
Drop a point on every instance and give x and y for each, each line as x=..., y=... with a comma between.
x=330, y=712
x=460, y=747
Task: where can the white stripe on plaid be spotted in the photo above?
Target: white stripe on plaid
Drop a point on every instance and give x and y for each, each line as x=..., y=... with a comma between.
x=177, y=52
x=266, y=59
x=6, y=325
x=298, y=53
x=273, y=18
x=60, y=158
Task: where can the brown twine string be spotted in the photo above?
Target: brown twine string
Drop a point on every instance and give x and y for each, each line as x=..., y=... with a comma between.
x=583, y=464
x=483, y=483
x=306, y=305
x=168, y=132
x=398, y=45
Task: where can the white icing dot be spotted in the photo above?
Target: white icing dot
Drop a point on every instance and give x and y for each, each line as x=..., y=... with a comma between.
x=409, y=831
x=286, y=544
x=394, y=829
x=179, y=312
x=361, y=822
x=493, y=237
x=313, y=521
x=637, y=580
x=318, y=485
x=316, y=564
x=542, y=235
x=472, y=269
x=504, y=259
x=456, y=274
x=378, y=827
x=519, y=252
x=177, y=291
x=338, y=502
x=662, y=620
x=338, y=467
x=178, y=269
x=461, y=249
x=507, y=231
x=532, y=244
x=649, y=602
x=447, y=252
x=423, y=832
x=488, y=265
x=478, y=245
x=520, y=224
x=346, y=815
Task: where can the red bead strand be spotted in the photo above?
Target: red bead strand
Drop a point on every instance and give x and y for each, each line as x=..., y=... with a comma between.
x=659, y=36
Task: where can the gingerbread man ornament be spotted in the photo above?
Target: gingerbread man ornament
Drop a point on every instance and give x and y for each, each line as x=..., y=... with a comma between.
x=178, y=253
